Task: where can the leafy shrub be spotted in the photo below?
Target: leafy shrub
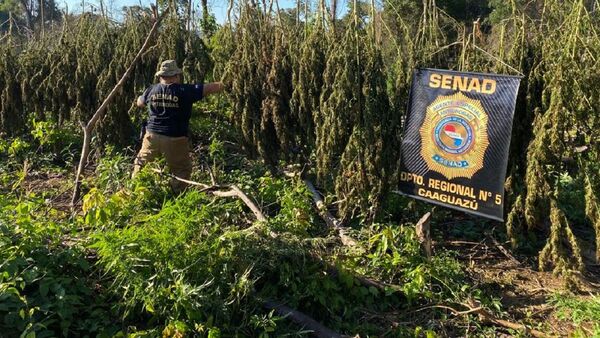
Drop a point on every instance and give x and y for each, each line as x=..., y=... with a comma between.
x=103, y=209
x=44, y=285
x=162, y=266
x=195, y=266
x=113, y=170
x=294, y=203
x=393, y=255
x=18, y=148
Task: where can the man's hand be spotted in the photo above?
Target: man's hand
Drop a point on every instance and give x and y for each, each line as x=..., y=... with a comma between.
x=140, y=102
x=212, y=88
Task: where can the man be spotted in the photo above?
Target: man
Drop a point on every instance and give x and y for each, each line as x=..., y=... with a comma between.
x=170, y=103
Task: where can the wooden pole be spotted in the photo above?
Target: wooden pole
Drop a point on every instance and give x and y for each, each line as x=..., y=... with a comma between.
x=42, y=16
x=89, y=127
x=333, y=10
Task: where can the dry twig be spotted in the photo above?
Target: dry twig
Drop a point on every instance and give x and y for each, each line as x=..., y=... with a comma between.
x=329, y=219
x=505, y=252
x=489, y=317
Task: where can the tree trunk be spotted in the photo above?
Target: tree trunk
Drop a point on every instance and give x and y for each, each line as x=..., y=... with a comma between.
x=204, y=4
x=41, y=14
x=27, y=12
x=188, y=23
x=333, y=10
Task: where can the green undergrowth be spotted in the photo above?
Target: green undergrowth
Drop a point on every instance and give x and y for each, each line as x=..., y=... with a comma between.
x=48, y=284
x=201, y=263
x=580, y=310
x=143, y=262
x=140, y=261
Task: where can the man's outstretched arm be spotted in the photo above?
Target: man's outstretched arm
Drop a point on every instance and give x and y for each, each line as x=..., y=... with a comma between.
x=212, y=88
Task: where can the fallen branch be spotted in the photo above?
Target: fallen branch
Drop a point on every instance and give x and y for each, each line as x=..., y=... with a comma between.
x=236, y=192
x=331, y=221
x=334, y=223
x=213, y=180
x=383, y=287
x=487, y=316
x=451, y=309
x=505, y=252
x=303, y=320
x=462, y=243
x=233, y=191
x=515, y=326
x=334, y=271
x=89, y=127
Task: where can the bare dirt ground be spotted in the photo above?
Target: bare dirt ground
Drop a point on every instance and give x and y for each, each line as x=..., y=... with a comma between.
x=523, y=290
x=58, y=187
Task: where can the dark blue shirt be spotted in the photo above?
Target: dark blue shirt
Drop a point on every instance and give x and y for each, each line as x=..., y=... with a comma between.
x=170, y=107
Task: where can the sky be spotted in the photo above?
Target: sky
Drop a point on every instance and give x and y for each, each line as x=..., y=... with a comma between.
x=218, y=7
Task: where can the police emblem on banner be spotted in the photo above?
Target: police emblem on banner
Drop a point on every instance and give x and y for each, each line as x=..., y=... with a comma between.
x=454, y=136
x=456, y=141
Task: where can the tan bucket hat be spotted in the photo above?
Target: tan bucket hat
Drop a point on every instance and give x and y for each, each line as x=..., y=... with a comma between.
x=168, y=68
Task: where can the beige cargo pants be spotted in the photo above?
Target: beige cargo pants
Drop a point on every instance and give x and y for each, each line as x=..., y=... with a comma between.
x=176, y=151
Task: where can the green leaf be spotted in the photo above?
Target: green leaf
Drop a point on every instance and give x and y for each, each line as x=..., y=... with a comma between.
x=214, y=333
x=44, y=289
x=431, y=334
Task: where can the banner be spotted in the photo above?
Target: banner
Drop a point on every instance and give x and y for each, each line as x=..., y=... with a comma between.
x=456, y=139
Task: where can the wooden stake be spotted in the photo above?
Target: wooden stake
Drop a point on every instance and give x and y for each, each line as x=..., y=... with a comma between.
x=423, y=230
